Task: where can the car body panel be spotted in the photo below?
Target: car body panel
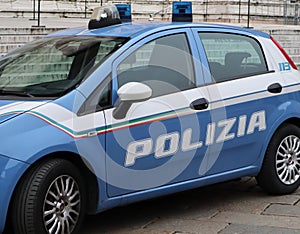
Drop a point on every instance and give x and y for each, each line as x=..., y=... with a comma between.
x=11, y=172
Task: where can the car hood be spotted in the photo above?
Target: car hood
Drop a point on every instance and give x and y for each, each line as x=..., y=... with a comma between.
x=11, y=109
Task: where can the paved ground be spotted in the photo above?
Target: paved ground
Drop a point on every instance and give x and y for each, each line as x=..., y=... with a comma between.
x=231, y=207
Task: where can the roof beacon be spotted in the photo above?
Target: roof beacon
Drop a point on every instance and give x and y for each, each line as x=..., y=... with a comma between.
x=104, y=16
x=182, y=12
x=125, y=12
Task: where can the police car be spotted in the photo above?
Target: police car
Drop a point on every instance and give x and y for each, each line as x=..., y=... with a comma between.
x=93, y=118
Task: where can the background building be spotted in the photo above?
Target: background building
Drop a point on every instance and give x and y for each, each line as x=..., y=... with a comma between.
x=275, y=11
x=265, y=15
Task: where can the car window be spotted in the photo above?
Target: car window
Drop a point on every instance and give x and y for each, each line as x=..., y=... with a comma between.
x=232, y=56
x=165, y=64
x=100, y=98
x=50, y=67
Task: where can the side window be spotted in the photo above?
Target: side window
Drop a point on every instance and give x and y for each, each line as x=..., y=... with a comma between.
x=232, y=56
x=164, y=64
x=99, y=99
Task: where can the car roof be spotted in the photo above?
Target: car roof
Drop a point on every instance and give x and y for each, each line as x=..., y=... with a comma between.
x=133, y=29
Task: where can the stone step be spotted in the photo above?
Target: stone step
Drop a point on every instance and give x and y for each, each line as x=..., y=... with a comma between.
x=290, y=45
x=295, y=37
x=296, y=58
x=292, y=51
x=12, y=38
x=288, y=38
x=28, y=31
x=8, y=47
x=20, y=39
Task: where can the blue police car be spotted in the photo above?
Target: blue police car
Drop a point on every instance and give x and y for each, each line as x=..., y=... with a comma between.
x=93, y=118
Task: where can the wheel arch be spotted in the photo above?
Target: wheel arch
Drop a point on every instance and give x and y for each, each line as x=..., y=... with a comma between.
x=268, y=177
x=294, y=120
x=291, y=120
x=88, y=176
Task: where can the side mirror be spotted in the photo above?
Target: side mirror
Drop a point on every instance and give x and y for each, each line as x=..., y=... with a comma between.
x=128, y=94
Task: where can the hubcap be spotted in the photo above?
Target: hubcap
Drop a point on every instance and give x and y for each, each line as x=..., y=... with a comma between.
x=61, y=205
x=288, y=160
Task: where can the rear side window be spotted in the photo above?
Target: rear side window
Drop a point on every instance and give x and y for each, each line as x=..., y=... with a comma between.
x=232, y=56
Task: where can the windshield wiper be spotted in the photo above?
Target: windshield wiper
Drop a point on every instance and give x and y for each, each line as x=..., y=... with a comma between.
x=4, y=92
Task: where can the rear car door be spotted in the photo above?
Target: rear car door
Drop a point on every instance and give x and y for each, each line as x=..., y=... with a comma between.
x=247, y=93
x=159, y=141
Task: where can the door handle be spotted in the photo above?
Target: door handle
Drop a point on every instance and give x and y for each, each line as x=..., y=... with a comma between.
x=275, y=88
x=199, y=104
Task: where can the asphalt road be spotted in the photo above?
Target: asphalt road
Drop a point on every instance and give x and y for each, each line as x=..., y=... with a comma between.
x=232, y=207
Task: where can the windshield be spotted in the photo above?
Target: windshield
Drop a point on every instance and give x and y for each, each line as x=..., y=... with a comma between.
x=50, y=67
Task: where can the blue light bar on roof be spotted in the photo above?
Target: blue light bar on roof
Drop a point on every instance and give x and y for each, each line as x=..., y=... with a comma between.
x=124, y=12
x=104, y=16
x=182, y=12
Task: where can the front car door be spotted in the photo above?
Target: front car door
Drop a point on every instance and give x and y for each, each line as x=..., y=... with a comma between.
x=160, y=141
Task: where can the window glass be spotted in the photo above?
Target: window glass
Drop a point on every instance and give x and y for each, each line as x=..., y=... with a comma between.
x=165, y=64
x=232, y=56
x=51, y=66
x=99, y=99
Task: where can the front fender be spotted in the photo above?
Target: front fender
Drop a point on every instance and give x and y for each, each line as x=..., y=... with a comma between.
x=10, y=172
x=27, y=138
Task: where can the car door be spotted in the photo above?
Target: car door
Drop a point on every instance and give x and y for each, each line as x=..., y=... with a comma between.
x=246, y=88
x=159, y=141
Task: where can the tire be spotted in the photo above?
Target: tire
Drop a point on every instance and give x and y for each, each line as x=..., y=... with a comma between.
x=53, y=188
x=280, y=172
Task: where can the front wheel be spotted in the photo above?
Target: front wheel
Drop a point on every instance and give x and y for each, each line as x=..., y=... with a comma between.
x=280, y=173
x=50, y=199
